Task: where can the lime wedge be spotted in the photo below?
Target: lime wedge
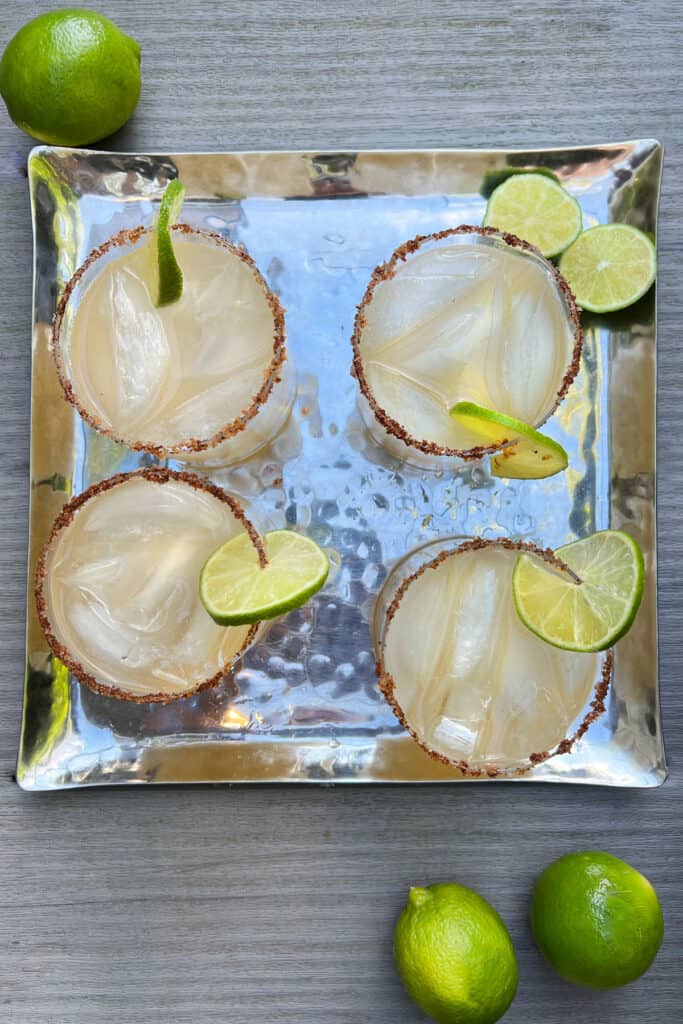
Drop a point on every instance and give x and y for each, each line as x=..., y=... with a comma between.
x=587, y=616
x=530, y=455
x=235, y=589
x=609, y=267
x=170, y=274
x=537, y=209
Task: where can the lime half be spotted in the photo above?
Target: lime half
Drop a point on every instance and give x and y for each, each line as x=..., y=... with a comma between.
x=235, y=589
x=530, y=456
x=609, y=267
x=170, y=274
x=590, y=615
x=537, y=209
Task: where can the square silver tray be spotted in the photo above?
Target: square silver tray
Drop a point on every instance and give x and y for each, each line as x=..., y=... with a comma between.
x=304, y=705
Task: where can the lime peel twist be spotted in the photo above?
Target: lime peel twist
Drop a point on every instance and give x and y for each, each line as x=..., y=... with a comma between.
x=170, y=286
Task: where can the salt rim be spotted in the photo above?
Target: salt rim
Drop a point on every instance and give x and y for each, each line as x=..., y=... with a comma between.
x=65, y=517
x=386, y=271
x=271, y=376
x=387, y=684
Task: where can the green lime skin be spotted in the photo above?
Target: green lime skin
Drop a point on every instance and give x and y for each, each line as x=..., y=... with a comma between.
x=454, y=955
x=596, y=919
x=70, y=77
x=170, y=272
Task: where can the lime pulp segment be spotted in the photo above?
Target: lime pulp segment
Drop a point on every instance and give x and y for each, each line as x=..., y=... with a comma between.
x=609, y=267
x=170, y=274
x=537, y=209
x=235, y=589
x=528, y=455
x=587, y=616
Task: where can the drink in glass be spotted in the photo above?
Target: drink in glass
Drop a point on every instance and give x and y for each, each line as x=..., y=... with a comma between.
x=467, y=314
x=463, y=674
x=204, y=380
x=117, y=588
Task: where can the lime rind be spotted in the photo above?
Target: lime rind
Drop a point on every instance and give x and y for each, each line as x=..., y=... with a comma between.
x=536, y=209
x=590, y=616
x=170, y=274
x=586, y=267
x=528, y=455
x=236, y=590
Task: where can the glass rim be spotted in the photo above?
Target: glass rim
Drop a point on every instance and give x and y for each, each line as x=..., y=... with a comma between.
x=157, y=475
x=234, y=427
x=386, y=271
x=451, y=546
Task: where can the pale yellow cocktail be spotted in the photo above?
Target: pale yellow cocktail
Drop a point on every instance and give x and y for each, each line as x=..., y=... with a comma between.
x=118, y=585
x=474, y=686
x=204, y=379
x=464, y=315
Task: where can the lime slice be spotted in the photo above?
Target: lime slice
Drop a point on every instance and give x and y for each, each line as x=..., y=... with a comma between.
x=170, y=274
x=235, y=589
x=537, y=209
x=609, y=267
x=530, y=456
x=592, y=614
x=492, y=179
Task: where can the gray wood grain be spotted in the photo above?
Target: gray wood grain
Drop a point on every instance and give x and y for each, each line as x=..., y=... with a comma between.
x=250, y=905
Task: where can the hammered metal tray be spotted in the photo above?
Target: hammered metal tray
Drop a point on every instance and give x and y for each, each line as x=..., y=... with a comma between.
x=304, y=705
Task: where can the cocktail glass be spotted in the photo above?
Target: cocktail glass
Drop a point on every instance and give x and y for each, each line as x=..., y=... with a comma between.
x=204, y=380
x=467, y=314
x=117, y=587
x=464, y=676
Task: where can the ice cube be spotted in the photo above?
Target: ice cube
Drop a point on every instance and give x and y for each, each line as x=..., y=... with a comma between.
x=140, y=346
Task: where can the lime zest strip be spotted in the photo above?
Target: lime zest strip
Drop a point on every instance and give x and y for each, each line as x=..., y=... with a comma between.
x=170, y=274
x=527, y=454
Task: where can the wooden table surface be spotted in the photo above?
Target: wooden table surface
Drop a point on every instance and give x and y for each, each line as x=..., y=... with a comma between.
x=250, y=905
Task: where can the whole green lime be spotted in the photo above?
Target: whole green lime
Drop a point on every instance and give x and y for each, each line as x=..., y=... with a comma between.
x=596, y=919
x=70, y=77
x=454, y=955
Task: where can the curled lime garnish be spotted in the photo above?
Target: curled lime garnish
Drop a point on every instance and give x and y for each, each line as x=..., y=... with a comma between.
x=170, y=274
